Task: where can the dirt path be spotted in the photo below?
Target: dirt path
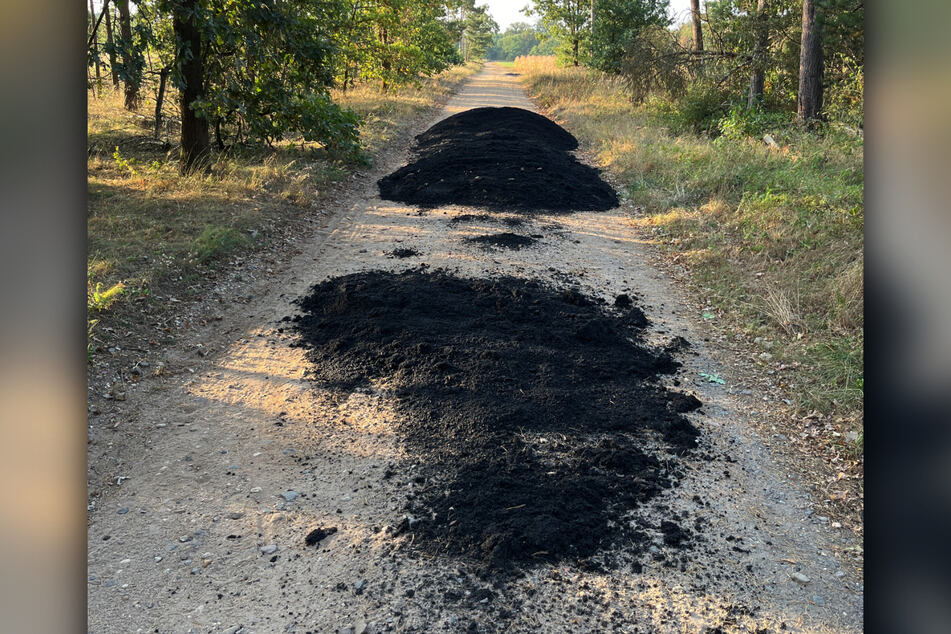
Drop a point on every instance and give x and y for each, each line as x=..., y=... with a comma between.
x=197, y=537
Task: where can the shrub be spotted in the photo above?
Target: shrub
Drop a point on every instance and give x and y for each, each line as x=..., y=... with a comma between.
x=698, y=111
x=215, y=242
x=742, y=122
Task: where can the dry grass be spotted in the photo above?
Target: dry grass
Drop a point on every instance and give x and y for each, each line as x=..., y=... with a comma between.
x=773, y=237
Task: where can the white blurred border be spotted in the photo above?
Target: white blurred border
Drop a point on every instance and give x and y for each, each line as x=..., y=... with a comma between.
x=42, y=355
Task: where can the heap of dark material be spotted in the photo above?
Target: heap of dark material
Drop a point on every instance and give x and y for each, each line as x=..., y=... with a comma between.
x=502, y=159
x=504, y=240
x=528, y=410
x=403, y=252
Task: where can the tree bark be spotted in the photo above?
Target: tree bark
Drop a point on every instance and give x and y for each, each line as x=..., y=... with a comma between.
x=697, y=27
x=384, y=39
x=125, y=34
x=112, y=52
x=761, y=33
x=95, y=28
x=809, y=101
x=160, y=98
x=95, y=51
x=195, y=142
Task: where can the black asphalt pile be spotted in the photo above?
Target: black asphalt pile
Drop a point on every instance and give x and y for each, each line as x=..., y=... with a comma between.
x=535, y=417
x=502, y=159
x=504, y=240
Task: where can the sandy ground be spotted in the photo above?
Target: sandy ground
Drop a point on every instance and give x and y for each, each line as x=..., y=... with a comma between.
x=193, y=487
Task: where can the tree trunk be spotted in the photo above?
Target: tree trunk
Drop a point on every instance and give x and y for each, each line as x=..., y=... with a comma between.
x=574, y=51
x=809, y=101
x=125, y=34
x=95, y=51
x=757, y=76
x=160, y=98
x=112, y=53
x=697, y=27
x=195, y=142
x=386, y=65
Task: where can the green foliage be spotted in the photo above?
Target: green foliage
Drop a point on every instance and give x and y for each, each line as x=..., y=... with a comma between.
x=712, y=378
x=90, y=346
x=392, y=41
x=216, y=242
x=478, y=29
x=269, y=65
x=99, y=300
x=618, y=25
x=549, y=44
x=129, y=55
x=836, y=372
x=633, y=40
x=699, y=110
x=652, y=65
x=846, y=100
x=519, y=39
x=125, y=163
x=568, y=21
x=269, y=69
x=742, y=122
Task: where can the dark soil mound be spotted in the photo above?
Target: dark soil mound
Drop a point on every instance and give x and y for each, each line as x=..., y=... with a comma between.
x=505, y=240
x=318, y=534
x=515, y=125
x=500, y=159
x=463, y=218
x=403, y=252
x=528, y=409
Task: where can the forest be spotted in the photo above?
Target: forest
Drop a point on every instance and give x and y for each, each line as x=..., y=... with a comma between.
x=257, y=72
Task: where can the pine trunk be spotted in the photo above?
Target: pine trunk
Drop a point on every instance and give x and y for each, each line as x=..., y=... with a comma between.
x=757, y=76
x=697, y=27
x=809, y=102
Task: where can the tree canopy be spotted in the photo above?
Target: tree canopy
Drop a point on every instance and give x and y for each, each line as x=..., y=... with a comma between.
x=266, y=67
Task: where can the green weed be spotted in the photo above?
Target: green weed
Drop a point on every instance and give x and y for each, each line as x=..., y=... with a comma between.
x=216, y=242
x=99, y=300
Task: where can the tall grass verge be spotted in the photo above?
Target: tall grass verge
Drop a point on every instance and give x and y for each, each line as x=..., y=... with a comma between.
x=772, y=234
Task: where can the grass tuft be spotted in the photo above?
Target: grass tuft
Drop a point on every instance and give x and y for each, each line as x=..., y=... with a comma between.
x=215, y=242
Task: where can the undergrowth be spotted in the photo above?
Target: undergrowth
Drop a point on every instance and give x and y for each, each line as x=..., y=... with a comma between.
x=773, y=235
